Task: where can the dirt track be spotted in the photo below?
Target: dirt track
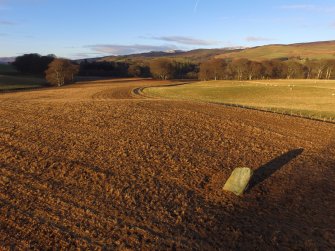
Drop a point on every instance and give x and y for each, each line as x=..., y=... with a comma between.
x=96, y=166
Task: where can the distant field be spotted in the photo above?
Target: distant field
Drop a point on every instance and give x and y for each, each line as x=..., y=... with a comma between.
x=7, y=69
x=301, y=97
x=18, y=82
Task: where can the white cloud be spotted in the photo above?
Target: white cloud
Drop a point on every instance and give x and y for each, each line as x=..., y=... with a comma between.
x=257, y=39
x=116, y=49
x=80, y=55
x=185, y=40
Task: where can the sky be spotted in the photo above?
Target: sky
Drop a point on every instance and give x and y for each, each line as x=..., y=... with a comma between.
x=92, y=28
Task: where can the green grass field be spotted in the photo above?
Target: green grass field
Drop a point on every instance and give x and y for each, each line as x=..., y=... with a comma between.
x=7, y=69
x=300, y=97
x=8, y=82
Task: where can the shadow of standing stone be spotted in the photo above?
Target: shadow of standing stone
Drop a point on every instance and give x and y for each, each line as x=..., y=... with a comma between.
x=266, y=171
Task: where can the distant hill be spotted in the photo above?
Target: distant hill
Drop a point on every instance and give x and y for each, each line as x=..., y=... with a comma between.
x=314, y=50
x=197, y=55
x=6, y=60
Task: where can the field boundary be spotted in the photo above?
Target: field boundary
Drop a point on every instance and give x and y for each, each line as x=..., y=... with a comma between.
x=273, y=110
x=139, y=90
x=24, y=89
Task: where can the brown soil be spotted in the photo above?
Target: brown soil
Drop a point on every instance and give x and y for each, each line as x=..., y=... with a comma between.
x=96, y=166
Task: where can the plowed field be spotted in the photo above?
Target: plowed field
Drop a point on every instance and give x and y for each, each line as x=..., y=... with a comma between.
x=96, y=166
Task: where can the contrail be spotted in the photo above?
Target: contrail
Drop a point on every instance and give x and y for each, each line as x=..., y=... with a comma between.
x=196, y=6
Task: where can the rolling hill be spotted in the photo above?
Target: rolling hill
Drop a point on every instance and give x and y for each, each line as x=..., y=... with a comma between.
x=197, y=55
x=312, y=50
x=6, y=60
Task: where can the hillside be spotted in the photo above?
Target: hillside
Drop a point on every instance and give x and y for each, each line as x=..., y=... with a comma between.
x=197, y=55
x=314, y=50
x=6, y=60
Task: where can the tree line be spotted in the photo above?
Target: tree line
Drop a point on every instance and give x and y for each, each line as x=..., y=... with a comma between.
x=60, y=71
x=33, y=63
x=57, y=71
x=244, y=69
x=158, y=68
x=214, y=69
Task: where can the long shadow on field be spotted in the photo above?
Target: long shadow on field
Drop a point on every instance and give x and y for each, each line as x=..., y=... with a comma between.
x=264, y=172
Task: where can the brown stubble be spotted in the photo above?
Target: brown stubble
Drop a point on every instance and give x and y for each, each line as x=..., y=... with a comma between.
x=95, y=166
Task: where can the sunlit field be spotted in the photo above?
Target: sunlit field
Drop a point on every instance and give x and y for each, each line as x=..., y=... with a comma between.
x=312, y=98
x=99, y=166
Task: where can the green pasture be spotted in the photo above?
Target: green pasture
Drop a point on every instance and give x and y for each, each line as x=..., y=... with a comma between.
x=312, y=98
x=7, y=69
x=8, y=82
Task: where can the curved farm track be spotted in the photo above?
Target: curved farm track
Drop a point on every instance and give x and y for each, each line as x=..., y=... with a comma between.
x=95, y=166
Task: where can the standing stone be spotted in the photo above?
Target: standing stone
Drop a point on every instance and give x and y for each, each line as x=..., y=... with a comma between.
x=238, y=180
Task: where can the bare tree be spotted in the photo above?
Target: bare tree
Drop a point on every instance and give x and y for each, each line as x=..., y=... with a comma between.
x=134, y=70
x=320, y=67
x=330, y=68
x=310, y=68
x=214, y=69
x=162, y=68
x=61, y=72
x=240, y=68
x=293, y=69
x=255, y=70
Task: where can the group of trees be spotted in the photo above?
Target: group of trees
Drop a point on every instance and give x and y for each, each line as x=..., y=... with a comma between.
x=244, y=69
x=103, y=69
x=161, y=68
x=114, y=69
x=62, y=71
x=57, y=71
x=139, y=69
x=33, y=63
x=164, y=68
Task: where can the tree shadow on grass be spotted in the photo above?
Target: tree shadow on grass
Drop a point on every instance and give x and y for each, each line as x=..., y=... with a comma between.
x=264, y=172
